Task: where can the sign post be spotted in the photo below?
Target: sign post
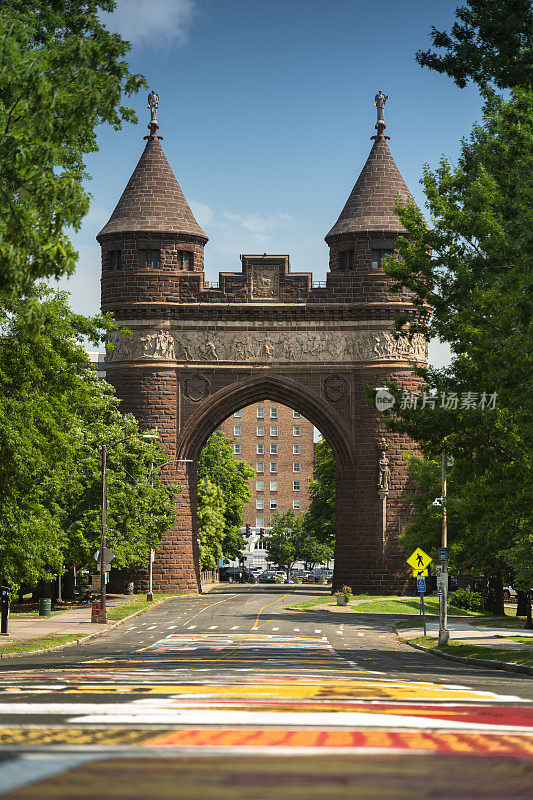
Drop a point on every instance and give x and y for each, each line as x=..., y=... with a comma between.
x=421, y=586
x=150, y=595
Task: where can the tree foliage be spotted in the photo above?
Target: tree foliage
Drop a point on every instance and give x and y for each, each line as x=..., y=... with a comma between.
x=473, y=266
x=218, y=466
x=211, y=523
x=490, y=42
x=289, y=540
x=62, y=73
x=54, y=415
x=320, y=518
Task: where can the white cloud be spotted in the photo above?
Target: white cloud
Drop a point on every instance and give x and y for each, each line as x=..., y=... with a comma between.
x=152, y=22
x=202, y=212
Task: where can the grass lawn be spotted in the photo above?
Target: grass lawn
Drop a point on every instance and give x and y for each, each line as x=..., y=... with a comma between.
x=328, y=598
x=137, y=603
x=40, y=643
x=410, y=606
x=34, y=614
x=478, y=651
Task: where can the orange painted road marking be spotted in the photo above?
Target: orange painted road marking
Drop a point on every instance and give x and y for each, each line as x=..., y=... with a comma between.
x=471, y=743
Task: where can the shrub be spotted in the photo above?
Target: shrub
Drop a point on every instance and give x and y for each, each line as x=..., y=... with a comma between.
x=467, y=599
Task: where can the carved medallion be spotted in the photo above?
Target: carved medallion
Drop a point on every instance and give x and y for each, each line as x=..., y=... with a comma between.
x=265, y=282
x=335, y=388
x=196, y=388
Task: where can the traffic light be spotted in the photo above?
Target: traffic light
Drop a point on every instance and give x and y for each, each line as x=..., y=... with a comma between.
x=261, y=531
x=248, y=530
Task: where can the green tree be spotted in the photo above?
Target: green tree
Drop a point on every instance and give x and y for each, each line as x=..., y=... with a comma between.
x=54, y=415
x=289, y=540
x=490, y=42
x=473, y=266
x=211, y=523
x=62, y=73
x=218, y=465
x=320, y=518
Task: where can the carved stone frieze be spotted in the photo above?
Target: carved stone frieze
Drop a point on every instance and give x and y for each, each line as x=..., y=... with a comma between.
x=264, y=346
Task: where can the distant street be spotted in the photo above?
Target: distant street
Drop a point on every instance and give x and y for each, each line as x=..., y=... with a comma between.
x=214, y=690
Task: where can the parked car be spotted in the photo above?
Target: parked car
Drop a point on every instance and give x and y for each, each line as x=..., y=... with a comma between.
x=509, y=594
x=267, y=577
x=233, y=574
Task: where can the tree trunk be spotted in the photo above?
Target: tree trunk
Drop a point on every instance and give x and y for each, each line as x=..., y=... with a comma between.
x=521, y=604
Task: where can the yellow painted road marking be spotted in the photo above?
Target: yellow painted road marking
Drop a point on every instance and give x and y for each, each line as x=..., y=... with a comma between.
x=255, y=625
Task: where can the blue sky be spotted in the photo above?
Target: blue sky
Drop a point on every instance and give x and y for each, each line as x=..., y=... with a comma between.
x=266, y=110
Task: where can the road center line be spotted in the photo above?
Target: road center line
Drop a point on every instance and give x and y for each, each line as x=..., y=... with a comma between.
x=255, y=626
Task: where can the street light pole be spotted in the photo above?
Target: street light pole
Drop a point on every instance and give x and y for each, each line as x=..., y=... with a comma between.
x=102, y=617
x=444, y=633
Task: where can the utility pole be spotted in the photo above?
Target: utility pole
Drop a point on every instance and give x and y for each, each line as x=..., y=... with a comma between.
x=444, y=633
x=103, y=600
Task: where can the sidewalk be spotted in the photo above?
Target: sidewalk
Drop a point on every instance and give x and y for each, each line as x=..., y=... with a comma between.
x=469, y=633
x=76, y=620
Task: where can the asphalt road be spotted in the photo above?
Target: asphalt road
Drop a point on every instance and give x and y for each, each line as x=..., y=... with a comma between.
x=233, y=689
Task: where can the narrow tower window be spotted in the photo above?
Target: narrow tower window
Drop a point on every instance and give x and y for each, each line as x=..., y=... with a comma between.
x=185, y=260
x=115, y=259
x=346, y=259
x=377, y=255
x=149, y=259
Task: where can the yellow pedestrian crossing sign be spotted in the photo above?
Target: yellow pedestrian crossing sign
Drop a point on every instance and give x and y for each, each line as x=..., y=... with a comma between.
x=419, y=561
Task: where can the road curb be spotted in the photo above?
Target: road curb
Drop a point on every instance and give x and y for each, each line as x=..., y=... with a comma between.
x=476, y=662
x=96, y=633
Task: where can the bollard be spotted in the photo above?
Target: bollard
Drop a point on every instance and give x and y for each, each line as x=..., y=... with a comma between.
x=45, y=607
x=96, y=608
x=4, y=599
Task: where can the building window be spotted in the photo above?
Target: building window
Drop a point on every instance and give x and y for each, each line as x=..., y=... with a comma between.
x=238, y=414
x=260, y=430
x=273, y=430
x=260, y=449
x=236, y=430
x=274, y=412
x=377, y=255
x=259, y=486
x=296, y=486
x=114, y=259
x=273, y=486
x=273, y=449
x=185, y=259
x=259, y=524
x=273, y=503
x=237, y=448
x=296, y=466
x=149, y=259
x=260, y=503
x=260, y=543
x=260, y=466
x=296, y=414
x=296, y=503
x=296, y=430
x=296, y=449
x=273, y=466
x=346, y=259
x=260, y=412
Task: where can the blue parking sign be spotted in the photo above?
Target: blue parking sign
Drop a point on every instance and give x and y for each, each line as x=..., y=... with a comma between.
x=421, y=585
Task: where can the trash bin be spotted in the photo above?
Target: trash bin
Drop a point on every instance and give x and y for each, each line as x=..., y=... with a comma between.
x=96, y=607
x=45, y=607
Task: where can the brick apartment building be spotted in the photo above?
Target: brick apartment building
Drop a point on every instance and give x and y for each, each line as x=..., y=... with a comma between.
x=277, y=443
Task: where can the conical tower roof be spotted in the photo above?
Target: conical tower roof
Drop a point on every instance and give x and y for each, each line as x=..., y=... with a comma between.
x=153, y=202
x=370, y=206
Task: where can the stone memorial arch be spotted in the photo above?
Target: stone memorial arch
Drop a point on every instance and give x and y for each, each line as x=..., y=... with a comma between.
x=195, y=352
